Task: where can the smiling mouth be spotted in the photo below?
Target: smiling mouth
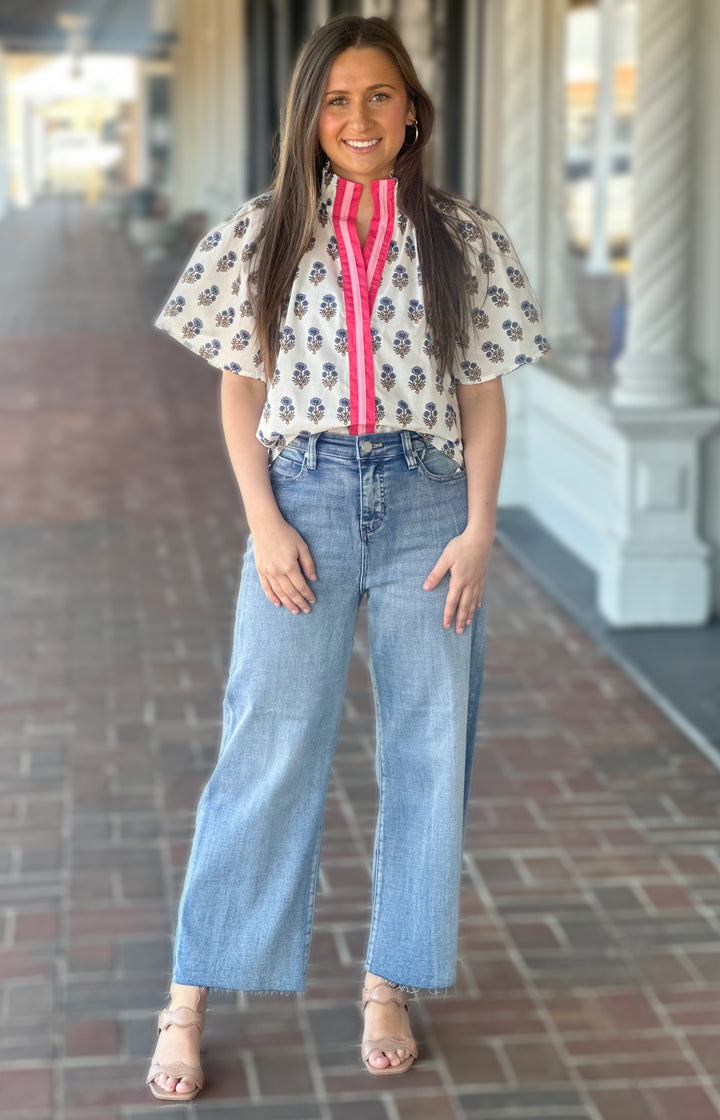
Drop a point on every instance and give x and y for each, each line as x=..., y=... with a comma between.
x=361, y=145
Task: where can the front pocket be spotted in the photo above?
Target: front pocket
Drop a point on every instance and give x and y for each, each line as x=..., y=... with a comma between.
x=435, y=465
x=288, y=465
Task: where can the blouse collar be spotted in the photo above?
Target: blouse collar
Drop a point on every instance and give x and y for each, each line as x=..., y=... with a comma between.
x=329, y=183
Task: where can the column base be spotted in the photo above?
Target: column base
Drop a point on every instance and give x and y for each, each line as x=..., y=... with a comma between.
x=656, y=570
x=665, y=584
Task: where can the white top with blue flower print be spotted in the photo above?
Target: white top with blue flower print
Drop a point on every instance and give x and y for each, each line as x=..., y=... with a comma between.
x=356, y=354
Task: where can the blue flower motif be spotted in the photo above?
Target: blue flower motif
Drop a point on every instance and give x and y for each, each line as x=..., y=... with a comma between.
x=301, y=305
x=400, y=277
x=542, y=342
x=499, y=296
x=301, y=375
x=417, y=379
x=471, y=371
x=318, y=272
x=210, y=242
x=379, y=410
x=314, y=340
x=430, y=414
x=493, y=351
x=343, y=411
x=530, y=311
x=341, y=341
x=387, y=377
x=450, y=416
x=225, y=318
x=210, y=349
x=328, y=307
x=226, y=262
x=174, y=307
x=316, y=410
x=330, y=375
x=192, y=328
x=287, y=340
x=286, y=411
x=192, y=274
x=415, y=311
x=208, y=296
x=403, y=413
x=240, y=341
x=401, y=345
x=512, y=329
x=515, y=277
x=375, y=340
x=386, y=309
x=502, y=242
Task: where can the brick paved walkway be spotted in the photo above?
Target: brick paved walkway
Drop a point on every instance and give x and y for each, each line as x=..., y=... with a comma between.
x=589, y=982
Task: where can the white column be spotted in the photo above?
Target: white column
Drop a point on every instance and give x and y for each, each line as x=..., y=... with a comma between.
x=655, y=368
x=656, y=567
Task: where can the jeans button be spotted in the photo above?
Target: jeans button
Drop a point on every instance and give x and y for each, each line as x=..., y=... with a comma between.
x=366, y=445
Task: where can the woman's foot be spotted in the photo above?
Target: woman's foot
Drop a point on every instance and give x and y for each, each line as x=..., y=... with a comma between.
x=382, y=1019
x=178, y=1044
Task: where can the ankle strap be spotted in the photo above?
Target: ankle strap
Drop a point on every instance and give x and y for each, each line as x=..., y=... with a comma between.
x=383, y=993
x=181, y=1017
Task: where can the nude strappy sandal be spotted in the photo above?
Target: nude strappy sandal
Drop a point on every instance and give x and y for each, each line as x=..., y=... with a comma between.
x=180, y=1017
x=382, y=992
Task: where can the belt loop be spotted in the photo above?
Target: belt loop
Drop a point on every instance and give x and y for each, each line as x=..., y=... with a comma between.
x=408, y=448
x=310, y=451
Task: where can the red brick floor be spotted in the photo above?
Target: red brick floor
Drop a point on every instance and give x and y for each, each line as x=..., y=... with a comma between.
x=589, y=977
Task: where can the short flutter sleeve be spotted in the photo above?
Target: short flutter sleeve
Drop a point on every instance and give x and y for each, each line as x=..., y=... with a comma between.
x=506, y=329
x=209, y=310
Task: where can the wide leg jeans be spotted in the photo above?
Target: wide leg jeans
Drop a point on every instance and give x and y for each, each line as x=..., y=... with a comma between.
x=376, y=512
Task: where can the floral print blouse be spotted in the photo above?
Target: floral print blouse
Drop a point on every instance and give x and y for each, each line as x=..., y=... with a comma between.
x=356, y=355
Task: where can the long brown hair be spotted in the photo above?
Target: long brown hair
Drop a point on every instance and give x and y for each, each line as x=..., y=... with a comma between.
x=291, y=211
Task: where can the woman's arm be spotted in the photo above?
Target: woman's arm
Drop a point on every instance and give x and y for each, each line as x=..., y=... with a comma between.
x=484, y=423
x=484, y=427
x=241, y=403
x=282, y=557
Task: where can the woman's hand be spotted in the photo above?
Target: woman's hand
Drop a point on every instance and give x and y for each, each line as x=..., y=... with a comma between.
x=466, y=557
x=283, y=560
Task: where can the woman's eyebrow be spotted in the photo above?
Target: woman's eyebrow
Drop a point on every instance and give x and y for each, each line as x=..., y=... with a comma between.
x=379, y=85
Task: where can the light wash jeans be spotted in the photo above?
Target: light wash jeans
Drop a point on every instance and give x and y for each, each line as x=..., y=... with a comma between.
x=376, y=512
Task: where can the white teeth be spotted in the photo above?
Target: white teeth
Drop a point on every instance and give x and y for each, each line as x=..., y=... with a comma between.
x=361, y=143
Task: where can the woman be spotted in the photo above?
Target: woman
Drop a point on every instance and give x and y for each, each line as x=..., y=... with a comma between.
x=368, y=463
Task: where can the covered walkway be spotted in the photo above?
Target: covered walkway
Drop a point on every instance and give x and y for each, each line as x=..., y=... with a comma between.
x=589, y=981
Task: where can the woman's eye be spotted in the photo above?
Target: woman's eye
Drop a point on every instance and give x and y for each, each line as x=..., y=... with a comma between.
x=341, y=100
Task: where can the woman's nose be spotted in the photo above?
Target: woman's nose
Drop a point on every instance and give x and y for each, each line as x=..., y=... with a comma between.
x=359, y=116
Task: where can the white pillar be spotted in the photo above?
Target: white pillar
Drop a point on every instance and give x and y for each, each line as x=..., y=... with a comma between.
x=656, y=568
x=656, y=369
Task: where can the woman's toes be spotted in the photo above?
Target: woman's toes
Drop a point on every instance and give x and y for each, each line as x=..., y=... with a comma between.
x=378, y=1058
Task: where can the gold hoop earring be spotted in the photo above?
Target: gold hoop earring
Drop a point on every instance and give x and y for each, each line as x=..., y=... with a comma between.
x=417, y=133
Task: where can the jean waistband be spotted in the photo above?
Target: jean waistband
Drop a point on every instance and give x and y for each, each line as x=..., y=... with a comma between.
x=375, y=445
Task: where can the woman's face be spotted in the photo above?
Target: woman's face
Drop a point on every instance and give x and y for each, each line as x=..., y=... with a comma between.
x=364, y=114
